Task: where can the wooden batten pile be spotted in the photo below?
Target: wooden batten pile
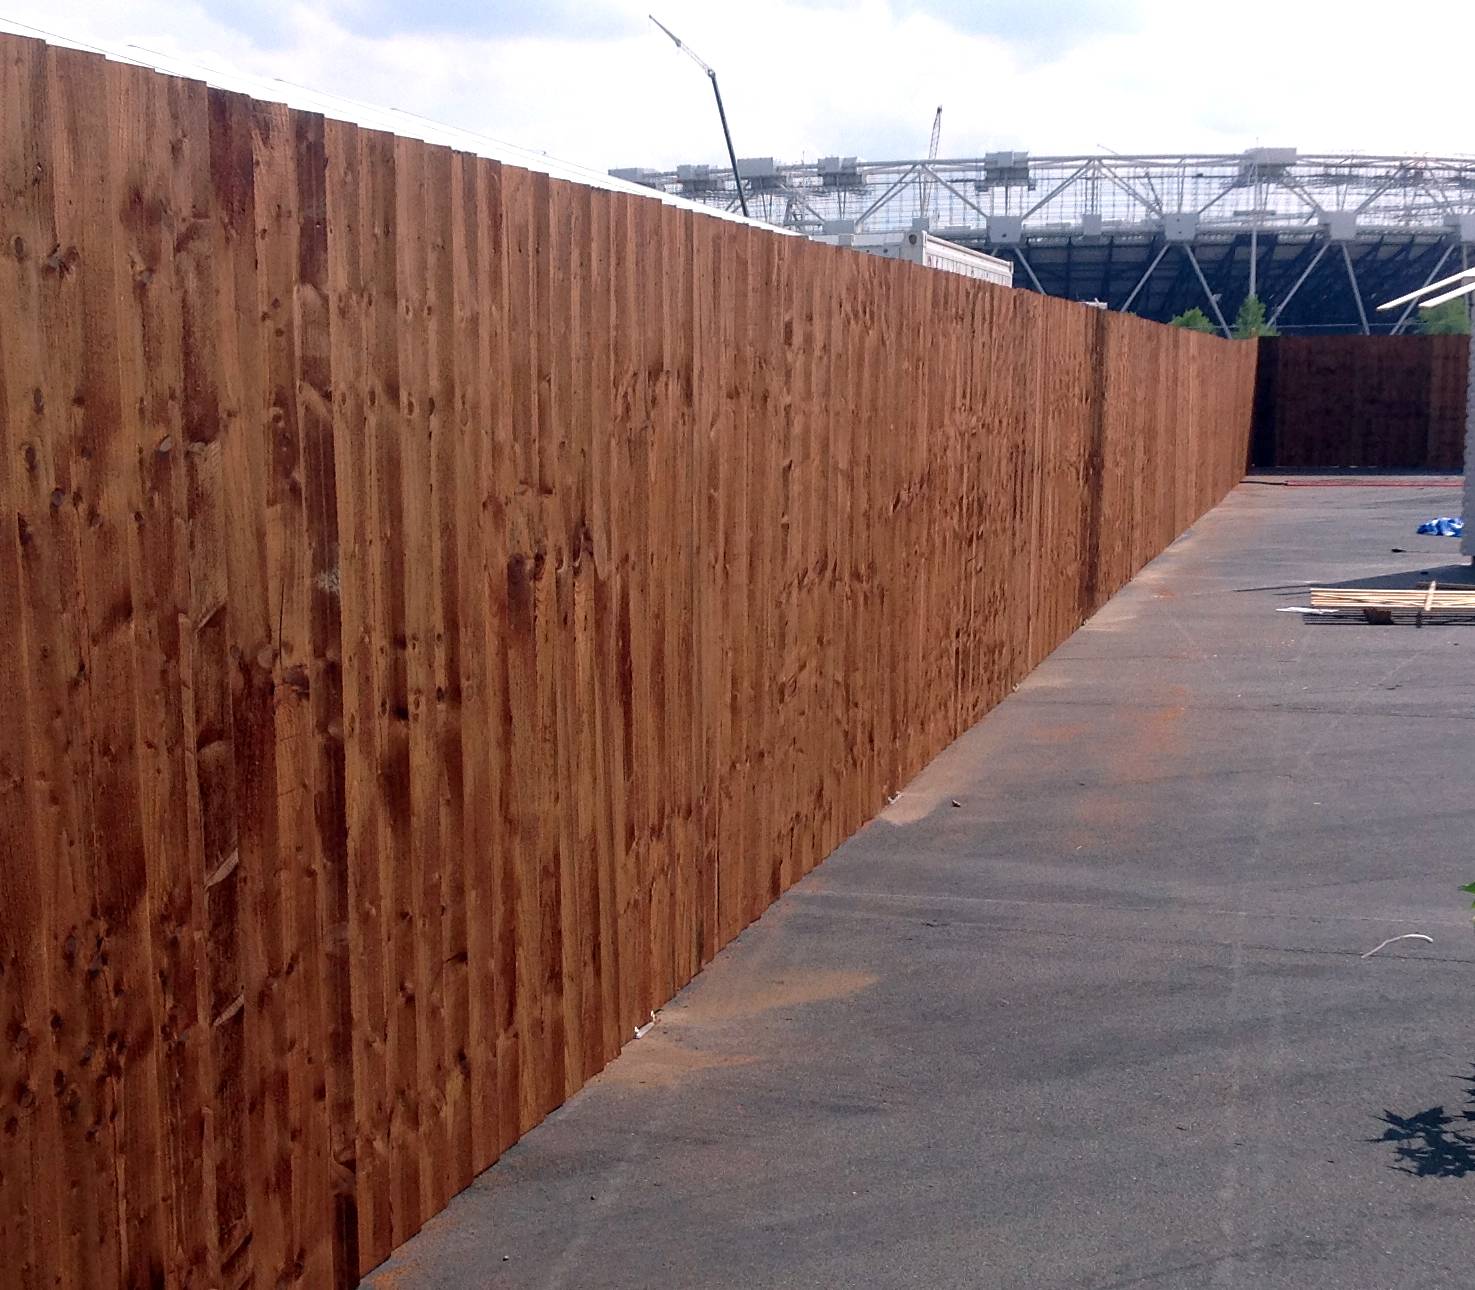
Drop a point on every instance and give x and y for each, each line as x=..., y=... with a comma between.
x=440, y=607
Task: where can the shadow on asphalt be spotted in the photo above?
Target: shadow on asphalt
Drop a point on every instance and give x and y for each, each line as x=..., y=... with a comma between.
x=1434, y=1143
x=1446, y=575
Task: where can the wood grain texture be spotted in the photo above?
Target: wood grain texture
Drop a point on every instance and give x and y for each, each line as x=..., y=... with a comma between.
x=441, y=606
x=1371, y=402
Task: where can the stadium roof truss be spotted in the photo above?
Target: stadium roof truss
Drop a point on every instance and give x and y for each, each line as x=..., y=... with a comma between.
x=1321, y=238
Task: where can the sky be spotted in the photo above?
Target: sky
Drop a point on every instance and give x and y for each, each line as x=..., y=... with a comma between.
x=596, y=83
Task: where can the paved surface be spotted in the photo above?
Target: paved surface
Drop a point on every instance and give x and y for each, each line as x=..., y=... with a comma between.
x=1103, y=1024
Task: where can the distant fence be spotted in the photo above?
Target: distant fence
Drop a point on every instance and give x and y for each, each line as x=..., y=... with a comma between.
x=440, y=607
x=1390, y=402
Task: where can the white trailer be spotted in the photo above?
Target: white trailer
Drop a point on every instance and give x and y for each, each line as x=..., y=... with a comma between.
x=921, y=247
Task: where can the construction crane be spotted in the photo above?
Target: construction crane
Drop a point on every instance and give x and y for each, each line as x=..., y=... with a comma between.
x=924, y=202
x=721, y=111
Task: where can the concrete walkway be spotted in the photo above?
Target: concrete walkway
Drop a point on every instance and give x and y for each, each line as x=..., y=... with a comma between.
x=1103, y=1023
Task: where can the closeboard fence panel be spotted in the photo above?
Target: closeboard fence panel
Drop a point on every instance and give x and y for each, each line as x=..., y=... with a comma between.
x=441, y=606
x=1372, y=402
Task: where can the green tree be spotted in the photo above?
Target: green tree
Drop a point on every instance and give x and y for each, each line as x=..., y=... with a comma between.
x=1194, y=320
x=1452, y=318
x=1250, y=321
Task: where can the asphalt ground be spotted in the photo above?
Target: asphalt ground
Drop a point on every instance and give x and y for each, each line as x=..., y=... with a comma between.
x=1086, y=1006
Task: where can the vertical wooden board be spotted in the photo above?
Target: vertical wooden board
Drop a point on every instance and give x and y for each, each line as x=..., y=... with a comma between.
x=800, y=621
x=732, y=871
x=1166, y=457
x=589, y=307
x=746, y=462
x=652, y=662
x=1116, y=458
x=972, y=633
x=706, y=521
x=234, y=727
x=352, y=301
x=322, y=917
x=645, y=945
x=838, y=570
x=819, y=766
x=395, y=1136
x=681, y=431
x=561, y=488
x=446, y=934
x=625, y=522
x=59, y=1166
x=547, y=274
x=581, y=702
x=1049, y=459
x=932, y=469
x=159, y=227
x=107, y=484
x=965, y=447
x=463, y=683
x=888, y=555
x=982, y=511
x=211, y=777
x=41, y=1237
x=1022, y=400
x=30, y=1199
x=952, y=615
x=526, y=556
x=928, y=471
x=979, y=508
x=726, y=499
x=283, y=904
x=915, y=509
x=897, y=443
x=497, y=534
x=1094, y=484
x=812, y=441
x=794, y=376
x=763, y=520
x=757, y=588
x=986, y=454
x=467, y=726
x=865, y=639
x=417, y=879
x=794, y=719
x=603, y=573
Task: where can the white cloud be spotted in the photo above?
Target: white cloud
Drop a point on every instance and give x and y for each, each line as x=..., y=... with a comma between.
x=597, y=84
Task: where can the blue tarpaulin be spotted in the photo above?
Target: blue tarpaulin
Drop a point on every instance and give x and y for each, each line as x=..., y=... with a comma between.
x=1444, y=526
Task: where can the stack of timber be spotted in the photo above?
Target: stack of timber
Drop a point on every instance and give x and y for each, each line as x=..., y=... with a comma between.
x=440, y=607
x=1380, y=604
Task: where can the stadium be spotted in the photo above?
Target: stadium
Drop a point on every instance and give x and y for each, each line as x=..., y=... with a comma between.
x=1320, y=238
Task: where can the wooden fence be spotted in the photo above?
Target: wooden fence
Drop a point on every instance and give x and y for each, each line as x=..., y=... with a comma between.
x=1388, y=402
x=440, y=606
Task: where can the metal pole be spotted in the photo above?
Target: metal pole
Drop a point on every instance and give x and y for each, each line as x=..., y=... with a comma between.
x=1356, y=293
x=1254, y=255
x=727, y=134
x=1414, y=303
x=1142, y=281
x=1019, y=255
x=1203, y=282
x=1305, y=273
